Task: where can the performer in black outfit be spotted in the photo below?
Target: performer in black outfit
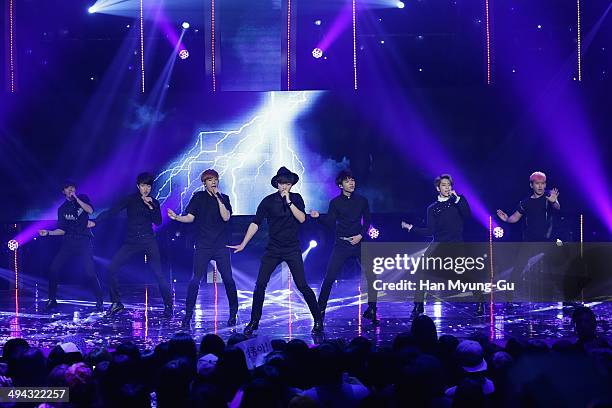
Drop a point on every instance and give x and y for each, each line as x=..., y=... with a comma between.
x=345, y=215
x=284, y=211
x=538, y=210
x=211, y=212
x=142, y=211
x=73, y=223
x=445, y=221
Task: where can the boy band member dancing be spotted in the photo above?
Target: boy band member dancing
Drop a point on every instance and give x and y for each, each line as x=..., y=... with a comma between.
x=73, y=223
x=284, y=211
x=345, y=214
x=211, y=211
x=537, y=209
x=445, y=221
x=142, y=211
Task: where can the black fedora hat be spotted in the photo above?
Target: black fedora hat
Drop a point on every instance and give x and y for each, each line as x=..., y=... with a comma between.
x=284, y=174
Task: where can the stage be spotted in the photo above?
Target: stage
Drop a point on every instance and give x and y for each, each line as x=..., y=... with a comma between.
x=285, y=317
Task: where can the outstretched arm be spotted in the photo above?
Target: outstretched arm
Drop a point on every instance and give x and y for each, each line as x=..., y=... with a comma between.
x=428, y=230
x=185, y=219
x=251, y=231
x=57, y=231
x=113, y=211
x=509, y=219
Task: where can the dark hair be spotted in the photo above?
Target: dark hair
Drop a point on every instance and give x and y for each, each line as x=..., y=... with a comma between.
x=145, y=178
x=441, y=177
x=582, y=310
x=182, y=345
x=68, y=183
x=212, y=344
x=129, y=349
x=343, y=175
x=209, y=173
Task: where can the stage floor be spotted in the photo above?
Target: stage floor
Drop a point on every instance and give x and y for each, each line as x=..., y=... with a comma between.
x=285, y=316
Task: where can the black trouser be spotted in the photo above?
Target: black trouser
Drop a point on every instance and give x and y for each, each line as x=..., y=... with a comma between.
x=452, y=250
x=270, y=260
x=148, y=247
x=73, y=248
x=526, y=270
x=342, y=252
x=201, y=258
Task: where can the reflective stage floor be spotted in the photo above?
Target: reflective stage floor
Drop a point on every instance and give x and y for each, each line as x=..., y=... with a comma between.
x=285, y=316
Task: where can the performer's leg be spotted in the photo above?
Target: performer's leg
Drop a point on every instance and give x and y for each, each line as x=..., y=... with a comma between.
x=65, y=253
x=296, y=266
x=370, y=312
x=201, y=258
x=224, y=266
x=119, y=259
x=154, y=259
x=90, y=272
x=269, y=262
x=336, y=260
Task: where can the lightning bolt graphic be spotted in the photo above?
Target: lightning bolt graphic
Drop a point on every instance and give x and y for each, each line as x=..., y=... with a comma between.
x=257, y=148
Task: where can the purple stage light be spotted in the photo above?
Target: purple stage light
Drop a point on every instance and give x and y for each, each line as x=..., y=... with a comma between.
x=317, y=53
x=400, y=4
x=184, y=54
x=312, y=244
x=317, y=22
x=341, y=23
x=185, y=25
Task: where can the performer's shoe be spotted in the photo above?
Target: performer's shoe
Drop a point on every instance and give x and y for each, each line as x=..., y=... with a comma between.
x=480, y=309
x=168, y=310
x=50, y=305
x=231, y=322
x=317, y=328
x=100, y=305
x=186, y=323
x=115, y=308
x=370, y=314
x=251, y=327
x=418, y=309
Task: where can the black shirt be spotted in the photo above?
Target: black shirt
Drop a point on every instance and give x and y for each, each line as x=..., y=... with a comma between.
x=72, y=219
x=445, y=220
x=213, y=232
x=283, y=225
x=538, y=216
x=139, y=217
x=346, y=214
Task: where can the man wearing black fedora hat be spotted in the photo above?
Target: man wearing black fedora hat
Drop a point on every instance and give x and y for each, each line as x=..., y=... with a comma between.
x=285, y=211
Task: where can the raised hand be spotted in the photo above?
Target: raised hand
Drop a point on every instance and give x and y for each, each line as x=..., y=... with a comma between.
x=90, y=224
x=502, y=215
x=554, y=194
x=147, y=200
x=407, y=226
x=314, y=214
